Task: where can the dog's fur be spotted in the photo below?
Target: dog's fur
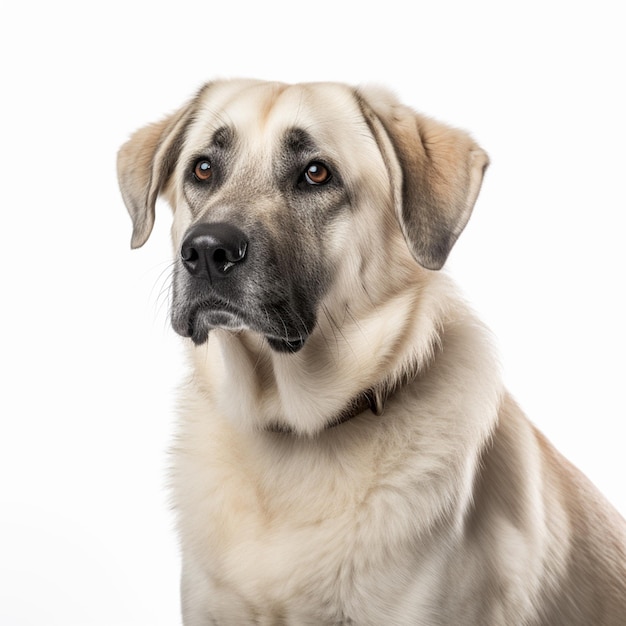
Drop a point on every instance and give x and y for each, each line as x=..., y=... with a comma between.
x=447, y=508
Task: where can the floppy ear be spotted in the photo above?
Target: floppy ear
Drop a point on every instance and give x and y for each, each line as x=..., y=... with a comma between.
x=441, y=170
x=145, y=163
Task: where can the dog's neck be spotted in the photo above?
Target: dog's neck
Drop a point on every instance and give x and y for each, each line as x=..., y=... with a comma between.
x=373, y=400
x=326, y=383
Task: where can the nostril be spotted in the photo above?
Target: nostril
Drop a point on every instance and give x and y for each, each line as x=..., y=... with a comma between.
x=189, y=254
x=219, y=255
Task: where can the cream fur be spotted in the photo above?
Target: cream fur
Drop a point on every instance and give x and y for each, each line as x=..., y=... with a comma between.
x=450, y=508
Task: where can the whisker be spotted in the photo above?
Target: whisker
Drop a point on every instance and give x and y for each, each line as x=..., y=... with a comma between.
x=164, y=296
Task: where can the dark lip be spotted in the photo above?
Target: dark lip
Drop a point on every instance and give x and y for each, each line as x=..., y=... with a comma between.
x=203, y=317
x=286, y=345
x=198, y=334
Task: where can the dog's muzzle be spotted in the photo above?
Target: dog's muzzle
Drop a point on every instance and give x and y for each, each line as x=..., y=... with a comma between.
x=222, y=281
x=212, y=256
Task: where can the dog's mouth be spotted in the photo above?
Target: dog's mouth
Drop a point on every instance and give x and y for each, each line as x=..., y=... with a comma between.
x=285, y=345
x=204, y=317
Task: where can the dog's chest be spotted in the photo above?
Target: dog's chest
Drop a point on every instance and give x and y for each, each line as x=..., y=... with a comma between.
x=305, y=537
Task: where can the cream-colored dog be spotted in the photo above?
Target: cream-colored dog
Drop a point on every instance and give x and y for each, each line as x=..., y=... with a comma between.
x=346, y=451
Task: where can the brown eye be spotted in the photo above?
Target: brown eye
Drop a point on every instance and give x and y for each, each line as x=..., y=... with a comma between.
x=316, y=174
x=202, y=170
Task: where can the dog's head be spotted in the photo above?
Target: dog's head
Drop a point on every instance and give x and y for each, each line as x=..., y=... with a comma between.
x=284, y=194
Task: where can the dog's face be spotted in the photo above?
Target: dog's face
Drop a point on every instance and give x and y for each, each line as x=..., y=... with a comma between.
x=263, y=196
x=289, y=200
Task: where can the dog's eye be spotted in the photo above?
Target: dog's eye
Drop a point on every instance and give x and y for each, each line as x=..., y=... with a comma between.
x=202, y=170
x=317, y=174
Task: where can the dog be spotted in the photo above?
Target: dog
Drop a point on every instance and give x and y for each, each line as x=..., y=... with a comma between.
x=346, y=452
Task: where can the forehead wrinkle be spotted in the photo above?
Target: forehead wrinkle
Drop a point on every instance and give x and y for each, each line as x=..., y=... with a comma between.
x=217, y=108
x=275, y=91
x=326, y=111
x=249, y=108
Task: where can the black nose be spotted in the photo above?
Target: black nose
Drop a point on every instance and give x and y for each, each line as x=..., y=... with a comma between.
x=211, y=251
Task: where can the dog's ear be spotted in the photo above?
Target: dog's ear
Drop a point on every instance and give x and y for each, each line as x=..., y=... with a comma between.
x=440, y=174
x=145, y=163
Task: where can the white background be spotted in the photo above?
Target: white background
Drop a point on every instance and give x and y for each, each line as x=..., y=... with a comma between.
x=89, y=361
